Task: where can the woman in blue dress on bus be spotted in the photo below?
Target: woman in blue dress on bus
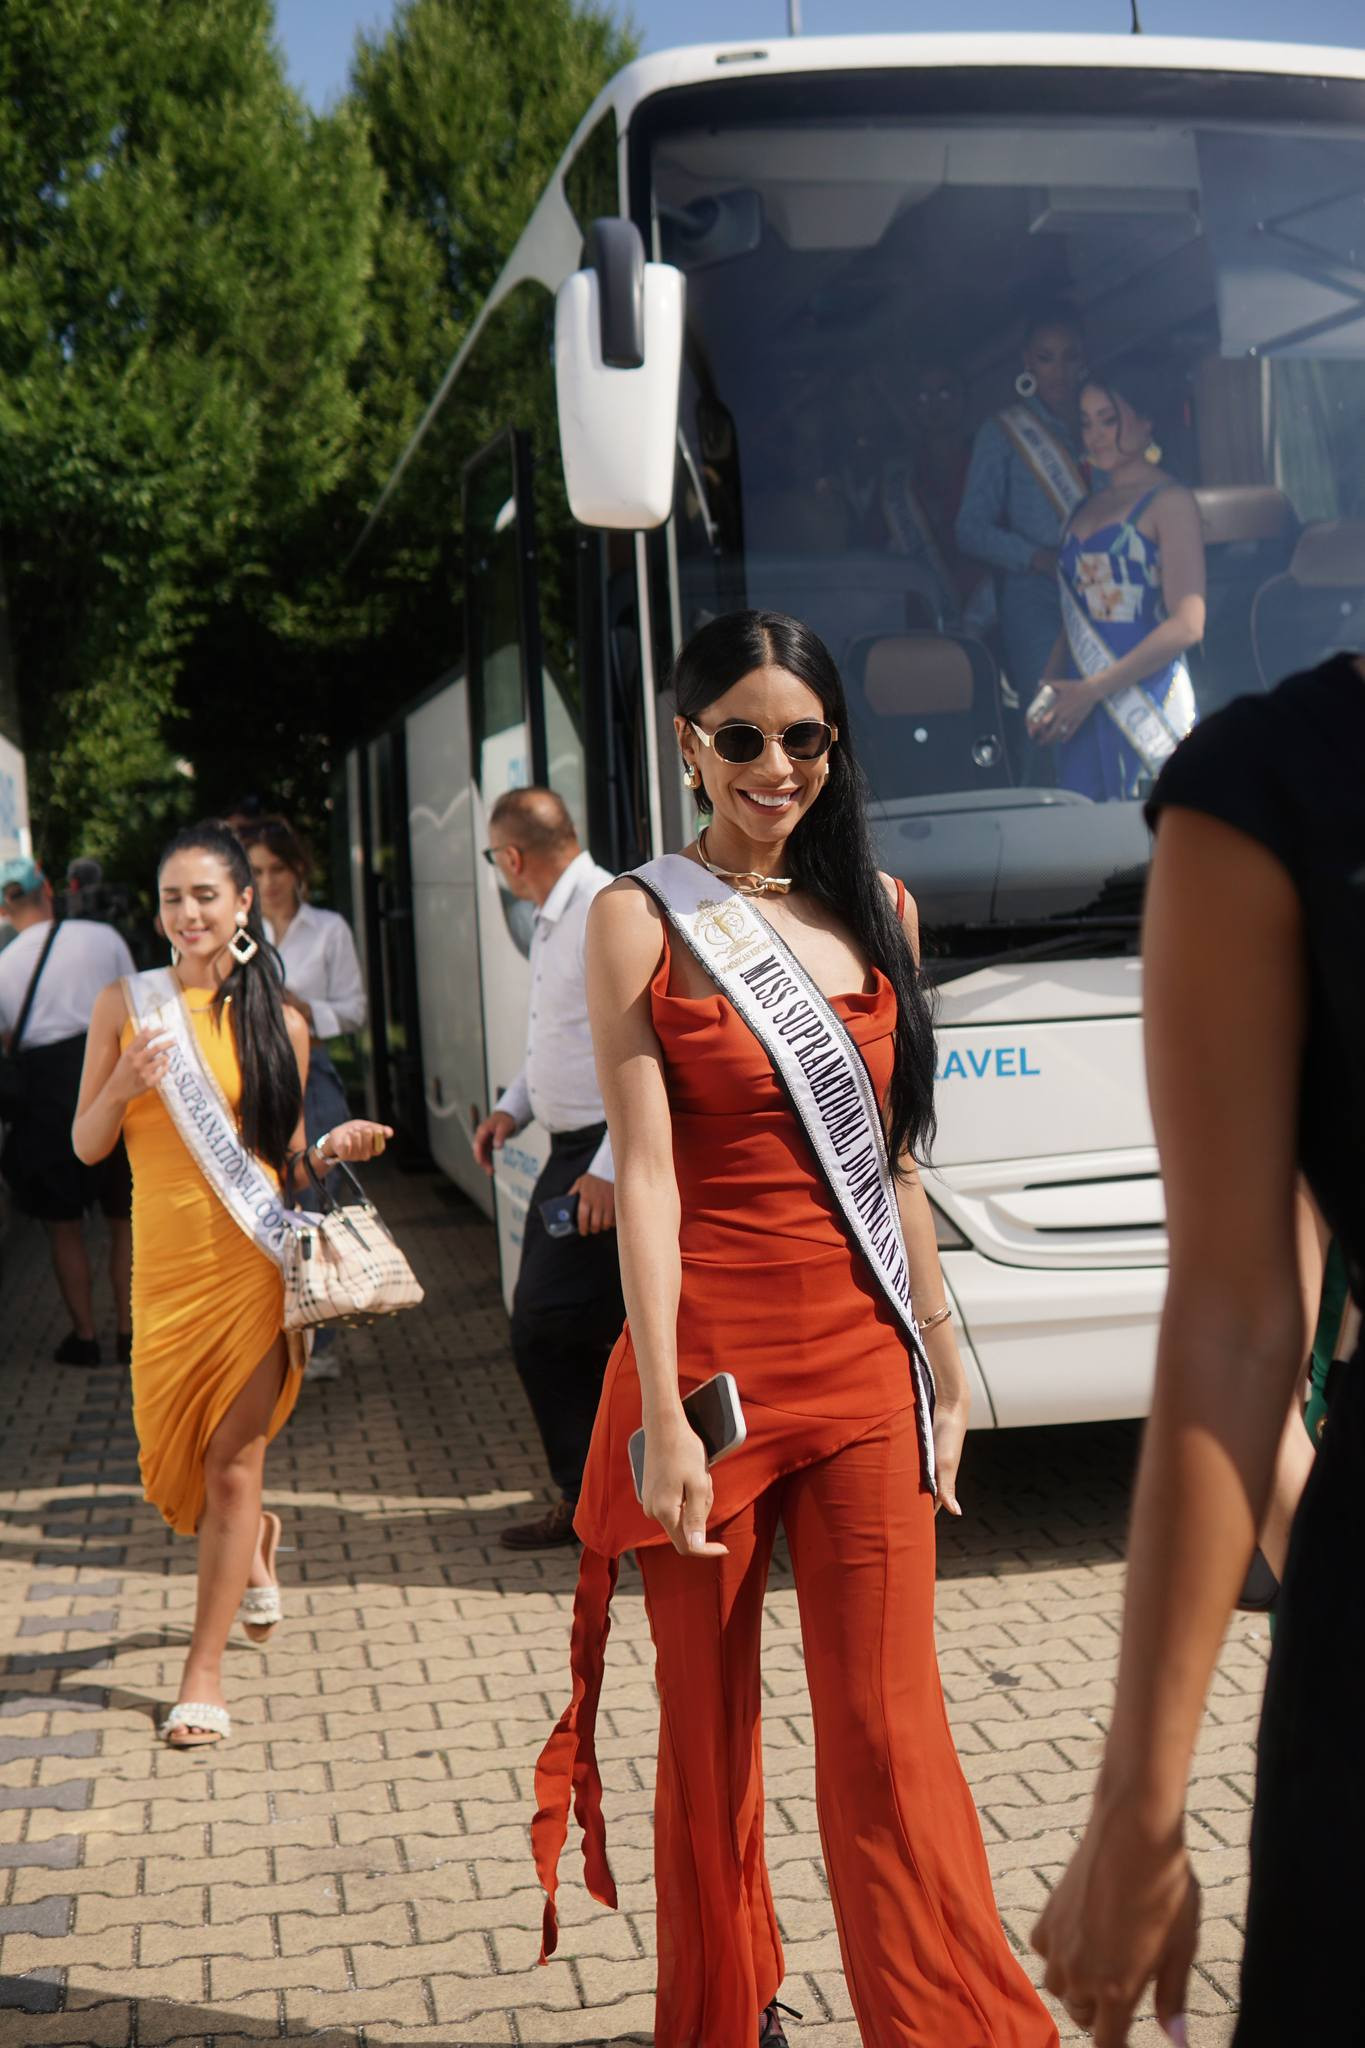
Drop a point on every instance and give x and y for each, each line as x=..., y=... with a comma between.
x=1131, y=576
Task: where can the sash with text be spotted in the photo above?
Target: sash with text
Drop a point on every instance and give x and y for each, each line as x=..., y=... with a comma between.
x=1051, y=461
x=203, y=1117
x=1148, y=729
x=822, y=1073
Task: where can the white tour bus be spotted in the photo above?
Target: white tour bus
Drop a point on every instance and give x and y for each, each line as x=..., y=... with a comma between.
x=790, y=228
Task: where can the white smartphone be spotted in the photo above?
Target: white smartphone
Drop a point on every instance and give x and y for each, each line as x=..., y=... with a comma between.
x=713, y=1410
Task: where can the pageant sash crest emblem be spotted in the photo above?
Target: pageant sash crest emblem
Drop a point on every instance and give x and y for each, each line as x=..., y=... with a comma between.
x=729, y=932
x=822, y=1073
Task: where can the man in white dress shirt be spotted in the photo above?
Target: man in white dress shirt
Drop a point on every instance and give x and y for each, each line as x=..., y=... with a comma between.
x=45, y=1177
x=567, y=1311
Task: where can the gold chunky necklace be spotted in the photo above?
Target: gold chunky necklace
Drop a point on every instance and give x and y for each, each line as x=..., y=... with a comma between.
x=750, y=883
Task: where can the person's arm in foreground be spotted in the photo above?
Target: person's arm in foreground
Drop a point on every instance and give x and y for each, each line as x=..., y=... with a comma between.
x=622, y=956
x=1225, y=1021
x=952, y=1401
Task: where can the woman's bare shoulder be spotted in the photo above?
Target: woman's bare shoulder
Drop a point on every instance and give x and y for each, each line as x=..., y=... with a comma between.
x=624, y=914
x=110, y=1011
x=1174, y=501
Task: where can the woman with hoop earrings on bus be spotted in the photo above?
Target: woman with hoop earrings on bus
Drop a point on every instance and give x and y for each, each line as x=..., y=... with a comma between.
x=765, y=1051
x=214, y=1377
x=1024, y=482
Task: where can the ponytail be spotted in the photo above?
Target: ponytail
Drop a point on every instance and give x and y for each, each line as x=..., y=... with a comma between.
x=272, y=1098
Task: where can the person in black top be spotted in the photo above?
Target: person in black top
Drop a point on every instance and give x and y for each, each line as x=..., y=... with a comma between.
x=1255, y=951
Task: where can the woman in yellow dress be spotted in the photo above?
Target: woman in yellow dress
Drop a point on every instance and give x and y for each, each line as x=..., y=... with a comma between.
x=213, y=1378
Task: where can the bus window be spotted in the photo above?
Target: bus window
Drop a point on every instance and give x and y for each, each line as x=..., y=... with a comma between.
x=866, y=258
x=499, y=621
x=523, y=572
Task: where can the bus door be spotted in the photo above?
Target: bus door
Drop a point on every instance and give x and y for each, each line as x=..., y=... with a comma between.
x=445, y=931
x=382, y=881
x=506, y=751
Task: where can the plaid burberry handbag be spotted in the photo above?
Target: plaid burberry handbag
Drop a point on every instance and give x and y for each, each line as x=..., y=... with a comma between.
x=343, y=1265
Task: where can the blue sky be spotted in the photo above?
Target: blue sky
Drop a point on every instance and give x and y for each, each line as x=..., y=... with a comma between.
x=318, y=34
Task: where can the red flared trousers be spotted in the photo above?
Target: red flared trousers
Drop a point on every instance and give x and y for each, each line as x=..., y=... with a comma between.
x=927, y=1961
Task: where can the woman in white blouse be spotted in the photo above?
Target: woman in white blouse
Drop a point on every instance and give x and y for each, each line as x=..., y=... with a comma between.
x=322, y=979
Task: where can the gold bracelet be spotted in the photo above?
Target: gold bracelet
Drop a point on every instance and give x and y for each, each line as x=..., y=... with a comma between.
x=942, y=1315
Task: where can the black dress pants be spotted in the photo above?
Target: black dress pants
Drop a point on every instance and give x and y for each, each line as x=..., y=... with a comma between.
x=567, y=1313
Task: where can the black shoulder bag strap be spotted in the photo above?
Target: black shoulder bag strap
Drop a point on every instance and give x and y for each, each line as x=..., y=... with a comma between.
x=31, y=991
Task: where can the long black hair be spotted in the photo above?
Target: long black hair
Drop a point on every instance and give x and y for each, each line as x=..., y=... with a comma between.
x=830, y=852
x=272, y=1099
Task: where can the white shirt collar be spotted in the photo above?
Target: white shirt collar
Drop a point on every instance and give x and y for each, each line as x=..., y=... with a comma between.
x=557, y=902
x=304, y=916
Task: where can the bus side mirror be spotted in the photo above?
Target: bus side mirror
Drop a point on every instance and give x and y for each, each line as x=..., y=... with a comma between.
x=618, y=372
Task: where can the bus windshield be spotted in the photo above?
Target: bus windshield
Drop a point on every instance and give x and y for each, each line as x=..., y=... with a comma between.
x=927, y=314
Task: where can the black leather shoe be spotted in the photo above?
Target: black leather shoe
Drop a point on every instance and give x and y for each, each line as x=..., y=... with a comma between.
x=548, y=1532
x=74, y=1350
x=770, y=2034
x=123, y=1348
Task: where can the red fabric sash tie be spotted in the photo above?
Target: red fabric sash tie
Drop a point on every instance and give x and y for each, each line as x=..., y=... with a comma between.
x=567, y=1766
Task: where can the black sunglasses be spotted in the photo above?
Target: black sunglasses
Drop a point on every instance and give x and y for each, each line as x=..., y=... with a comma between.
x=806, y=740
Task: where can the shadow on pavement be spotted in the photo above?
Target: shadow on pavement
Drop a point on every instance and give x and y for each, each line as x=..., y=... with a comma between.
x=193, y=2026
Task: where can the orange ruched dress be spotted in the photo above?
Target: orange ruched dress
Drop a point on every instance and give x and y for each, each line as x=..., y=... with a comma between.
x=774, y=1292
x=207, y=1303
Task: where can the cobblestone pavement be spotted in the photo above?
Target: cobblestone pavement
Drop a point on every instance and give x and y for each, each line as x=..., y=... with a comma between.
x=352, y=1868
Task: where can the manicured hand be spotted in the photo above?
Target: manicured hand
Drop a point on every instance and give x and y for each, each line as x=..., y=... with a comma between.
x=596, y=1204
x=142, y=1062
x=491, y=1135
x=357, y=1140
x=1063, y=719
x=677, y=1491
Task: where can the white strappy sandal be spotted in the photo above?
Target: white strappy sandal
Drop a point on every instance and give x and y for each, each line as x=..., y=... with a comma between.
x=199, y=1723
x=261, y=1607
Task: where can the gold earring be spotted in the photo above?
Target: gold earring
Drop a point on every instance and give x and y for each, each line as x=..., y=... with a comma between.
x=690, y=777
x=1151, y=453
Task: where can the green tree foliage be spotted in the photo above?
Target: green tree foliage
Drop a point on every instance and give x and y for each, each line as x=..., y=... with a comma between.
x=184, y=254
x=469, y=106
x=221, y=318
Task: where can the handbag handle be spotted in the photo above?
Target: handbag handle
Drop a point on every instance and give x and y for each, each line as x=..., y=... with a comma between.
x=328, y=1199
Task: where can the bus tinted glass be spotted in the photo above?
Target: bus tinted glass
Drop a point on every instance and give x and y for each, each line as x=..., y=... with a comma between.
x=990, y=398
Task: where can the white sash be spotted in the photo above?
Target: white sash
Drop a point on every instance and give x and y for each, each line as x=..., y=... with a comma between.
x=201, y=1114
x=821, y=1071
x=1143, y=723
x=1051, y=461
